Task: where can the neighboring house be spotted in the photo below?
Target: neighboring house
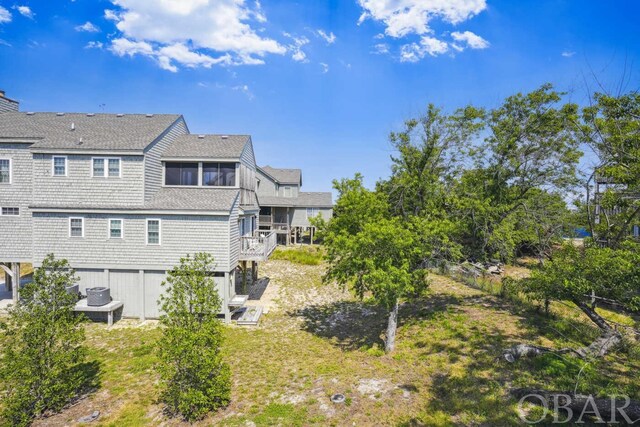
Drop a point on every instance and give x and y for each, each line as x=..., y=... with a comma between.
x=284, y=208
x=604, y=184
x=123, y=197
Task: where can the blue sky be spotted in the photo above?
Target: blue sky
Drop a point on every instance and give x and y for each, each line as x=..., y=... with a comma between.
x=318, y=84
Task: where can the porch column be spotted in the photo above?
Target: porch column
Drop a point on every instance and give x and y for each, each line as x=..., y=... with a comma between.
x=16, y=281
x=225, y=298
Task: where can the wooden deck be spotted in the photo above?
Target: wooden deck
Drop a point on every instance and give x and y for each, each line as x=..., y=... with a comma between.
x=258, y=247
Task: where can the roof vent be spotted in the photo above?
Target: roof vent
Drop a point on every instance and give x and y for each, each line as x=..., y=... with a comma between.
x=73, y=126
x=90, y=114
x=200, y=136
x=80, y=141
x=30, y=113
x=224, y=136
x=119, y=115
x=149, y=115
x=59, y=114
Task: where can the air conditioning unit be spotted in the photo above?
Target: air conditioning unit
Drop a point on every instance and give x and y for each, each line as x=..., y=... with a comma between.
x=98, y=296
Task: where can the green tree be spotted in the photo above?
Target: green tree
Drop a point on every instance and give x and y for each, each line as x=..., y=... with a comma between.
x=42, y=351
x=611, y=127
x=374, y=254
x=194, y=377
x=531, y=144
x=579, y=274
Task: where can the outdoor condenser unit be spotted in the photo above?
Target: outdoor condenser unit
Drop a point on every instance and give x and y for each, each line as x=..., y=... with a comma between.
x=98, y=296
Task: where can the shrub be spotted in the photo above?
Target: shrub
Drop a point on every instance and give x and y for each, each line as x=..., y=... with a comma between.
x=42, y=350
x=194, y=378
x=304, y=255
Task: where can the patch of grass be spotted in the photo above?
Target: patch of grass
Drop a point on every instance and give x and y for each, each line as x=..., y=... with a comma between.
x=321, y=341
x=304, y=255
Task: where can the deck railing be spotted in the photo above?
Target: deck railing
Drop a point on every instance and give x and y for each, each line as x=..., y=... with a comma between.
x=259, y=246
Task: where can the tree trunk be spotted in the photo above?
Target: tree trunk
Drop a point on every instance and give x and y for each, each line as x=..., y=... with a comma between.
x=392, y=326
x=609, y=339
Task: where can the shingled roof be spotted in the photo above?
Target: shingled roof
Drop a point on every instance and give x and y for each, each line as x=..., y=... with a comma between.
x=207, y=146
x=82, y=131
x=284, y=176
x=193, y=199
x=304, y=200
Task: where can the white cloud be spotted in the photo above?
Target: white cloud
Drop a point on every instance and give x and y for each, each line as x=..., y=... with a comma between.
x=472, y=40
x=381, y=49
x=244, y=89
x=167, y=56
x=94, y=45
x=5, y=43
x=25, y=11
x=5, y=15
x=428, y=46
x=329, y=38
x=568, y=53
x=325, y=68
x=87, y=27
x=297, y=54
x=403, y=17
x=124, y=47
x=187, y=28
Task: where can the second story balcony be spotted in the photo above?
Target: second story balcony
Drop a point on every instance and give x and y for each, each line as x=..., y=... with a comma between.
x=258, y=247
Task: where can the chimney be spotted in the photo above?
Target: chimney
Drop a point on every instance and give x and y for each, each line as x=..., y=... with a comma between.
x=7, y=104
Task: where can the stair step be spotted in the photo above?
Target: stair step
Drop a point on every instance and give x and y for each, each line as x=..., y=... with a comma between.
x=250, y=315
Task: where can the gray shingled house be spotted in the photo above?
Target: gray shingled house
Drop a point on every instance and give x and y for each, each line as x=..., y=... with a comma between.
x=122, y=197
x=284, y=208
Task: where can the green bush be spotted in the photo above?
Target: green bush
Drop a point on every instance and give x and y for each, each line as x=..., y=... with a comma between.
x=303, y=255
x=194, y=378
x=42, y=354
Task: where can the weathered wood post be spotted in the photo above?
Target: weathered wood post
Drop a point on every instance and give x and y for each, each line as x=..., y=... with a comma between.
x=16, y=281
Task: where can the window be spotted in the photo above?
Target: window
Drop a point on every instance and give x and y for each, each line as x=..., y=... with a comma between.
x=114, y=167
x=76, y=227
x=106, y=167
x=98, y=167
x=219, y=174
x=5, y=171
x=153, y=232
x=312, y=212
x=11, y=211
x=115, y=229
x=287, y=191
x=181, y=174
x=59, y=166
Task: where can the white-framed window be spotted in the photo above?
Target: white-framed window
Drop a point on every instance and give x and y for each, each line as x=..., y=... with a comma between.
x=105, y=167
x=10, y=211
x=59, y=165
x=116, y=229
x=312, y=212
x=76, y=227
x=5, y=171
x=153, y=231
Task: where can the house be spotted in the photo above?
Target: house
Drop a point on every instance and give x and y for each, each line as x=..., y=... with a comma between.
x=603, y=184
x=285, y=209
x=123, y=197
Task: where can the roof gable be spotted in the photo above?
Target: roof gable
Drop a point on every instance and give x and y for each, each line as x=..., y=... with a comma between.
x=85, y=132
x=207, y=146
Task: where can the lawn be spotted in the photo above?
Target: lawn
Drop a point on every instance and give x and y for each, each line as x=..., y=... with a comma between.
x=316, y=340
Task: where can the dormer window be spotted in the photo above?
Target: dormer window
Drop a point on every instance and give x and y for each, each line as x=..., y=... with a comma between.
x=181, y=174
x=219, y=174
